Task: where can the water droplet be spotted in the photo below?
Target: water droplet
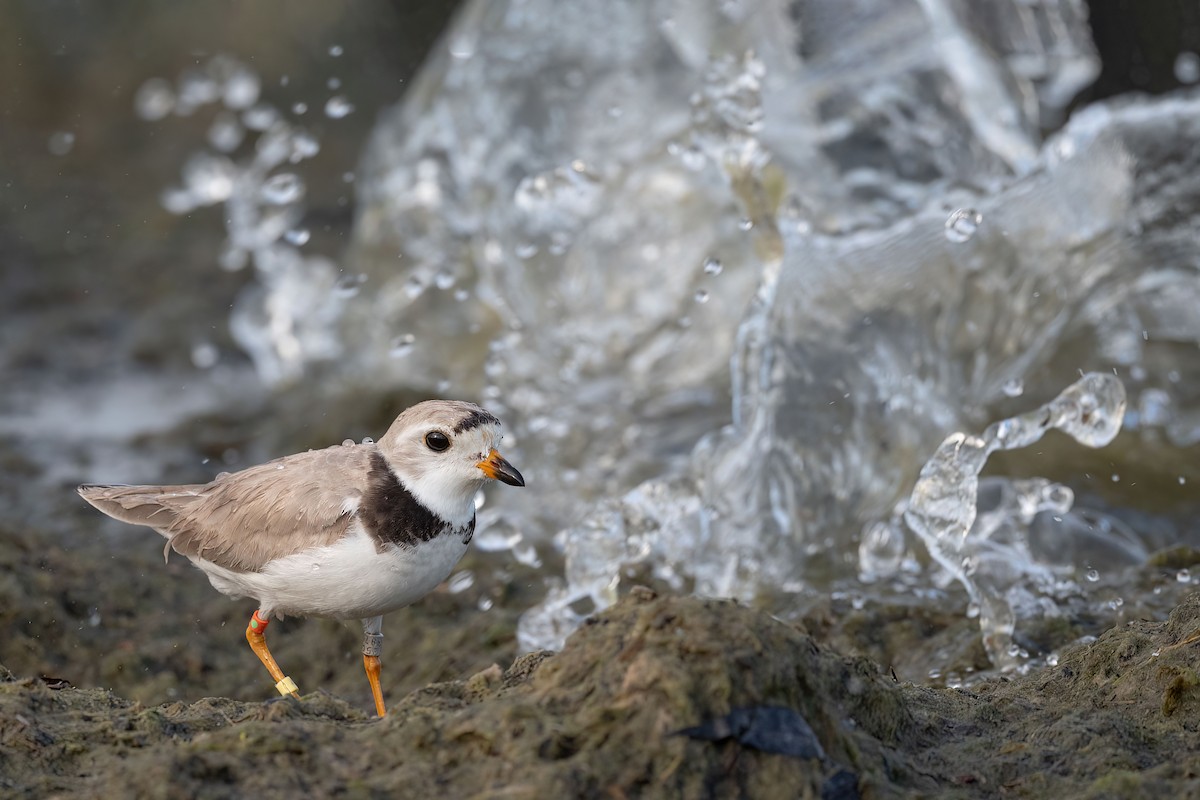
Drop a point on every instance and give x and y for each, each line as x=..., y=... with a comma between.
x=273, y=146
x=526, y=250
x=242, y=88
x=403, y=345
x=304, y=145
x=1052, y=660
x=338, y=107
x=702, y=295
x=335, y=50
x=745, y=224
x=316, y=567
x=962, y=224
x=1187, y=67
x=445, y=279
x=209, y=178
x=712, y=266
x=1116, y=603
x=460, y=582
x=1182, y=480
x=282, y=189
x=177, y=201
x=368, y=440
x=195, y=89
x=525, y=553
x=1156, y=652
x=1092, y=575
x=1057, y=497
x=1014, y=387
x=225, y=133
x=297, y=236
x=205, y=355
x=485, y=603
x=60, y=143
x=154, y=99
x=693, y=157
x=1116, y=478
x=348, y=285
x=260, y=117
x=347, y=443
x=279, y=466
x=413, y=287
x=1184, y=575
x=462, y=294
x=299, y=109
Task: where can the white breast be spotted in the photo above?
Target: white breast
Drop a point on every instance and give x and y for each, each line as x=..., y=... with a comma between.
x=346, y=580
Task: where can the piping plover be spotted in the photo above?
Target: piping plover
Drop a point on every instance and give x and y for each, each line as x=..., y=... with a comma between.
x=348, y=532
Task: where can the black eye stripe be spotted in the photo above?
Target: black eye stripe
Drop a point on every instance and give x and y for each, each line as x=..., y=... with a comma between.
x=437, y=441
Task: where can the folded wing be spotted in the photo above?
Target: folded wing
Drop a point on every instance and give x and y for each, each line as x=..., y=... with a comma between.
x=244, y=520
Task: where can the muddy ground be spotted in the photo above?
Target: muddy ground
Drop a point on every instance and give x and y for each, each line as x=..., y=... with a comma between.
x=142, y=686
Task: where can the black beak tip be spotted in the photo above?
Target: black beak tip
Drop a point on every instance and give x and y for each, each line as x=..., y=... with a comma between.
x=510, y=476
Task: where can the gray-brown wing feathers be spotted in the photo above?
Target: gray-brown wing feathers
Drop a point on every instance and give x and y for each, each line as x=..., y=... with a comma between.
x=154, y=506
x=245, y=519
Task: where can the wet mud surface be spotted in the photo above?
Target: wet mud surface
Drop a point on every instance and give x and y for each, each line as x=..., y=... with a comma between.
x=657, y=696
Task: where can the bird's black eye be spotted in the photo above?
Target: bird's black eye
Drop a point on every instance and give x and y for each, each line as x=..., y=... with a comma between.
x=437, y=441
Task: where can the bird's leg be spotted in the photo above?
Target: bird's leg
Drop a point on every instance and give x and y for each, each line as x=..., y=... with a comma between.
x=256, y=636
x=372, y=647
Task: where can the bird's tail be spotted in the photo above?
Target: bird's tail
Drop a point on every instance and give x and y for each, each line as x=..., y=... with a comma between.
x=154, y=506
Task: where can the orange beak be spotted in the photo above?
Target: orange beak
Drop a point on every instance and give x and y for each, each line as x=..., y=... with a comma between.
x=496, y=468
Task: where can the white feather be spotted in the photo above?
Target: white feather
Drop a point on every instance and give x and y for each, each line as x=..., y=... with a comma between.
x=347, y=579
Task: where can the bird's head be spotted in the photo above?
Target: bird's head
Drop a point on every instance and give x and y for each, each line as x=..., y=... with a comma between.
x=443, y=451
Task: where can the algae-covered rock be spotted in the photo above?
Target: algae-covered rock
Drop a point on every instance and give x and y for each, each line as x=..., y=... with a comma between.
x=603, y=717
x=617, y=713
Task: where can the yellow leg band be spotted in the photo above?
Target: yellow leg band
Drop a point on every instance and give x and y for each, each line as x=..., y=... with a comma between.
x=286, y=686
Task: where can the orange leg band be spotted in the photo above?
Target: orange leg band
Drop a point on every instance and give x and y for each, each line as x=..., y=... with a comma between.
x=256, y=636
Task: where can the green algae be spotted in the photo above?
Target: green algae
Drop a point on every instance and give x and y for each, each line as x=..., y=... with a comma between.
x=184, y=714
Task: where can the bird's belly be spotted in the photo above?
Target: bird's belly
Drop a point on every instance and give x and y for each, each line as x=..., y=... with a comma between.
x=349, y=579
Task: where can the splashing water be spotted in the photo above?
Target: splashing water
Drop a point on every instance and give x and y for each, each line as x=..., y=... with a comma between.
x=942, y=509
x=704, y=270
x=262, y=208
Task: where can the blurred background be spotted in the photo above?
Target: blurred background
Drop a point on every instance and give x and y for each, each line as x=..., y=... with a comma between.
x=729, y=271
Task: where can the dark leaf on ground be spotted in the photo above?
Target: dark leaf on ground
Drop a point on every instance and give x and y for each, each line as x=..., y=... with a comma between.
x=771, y=729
